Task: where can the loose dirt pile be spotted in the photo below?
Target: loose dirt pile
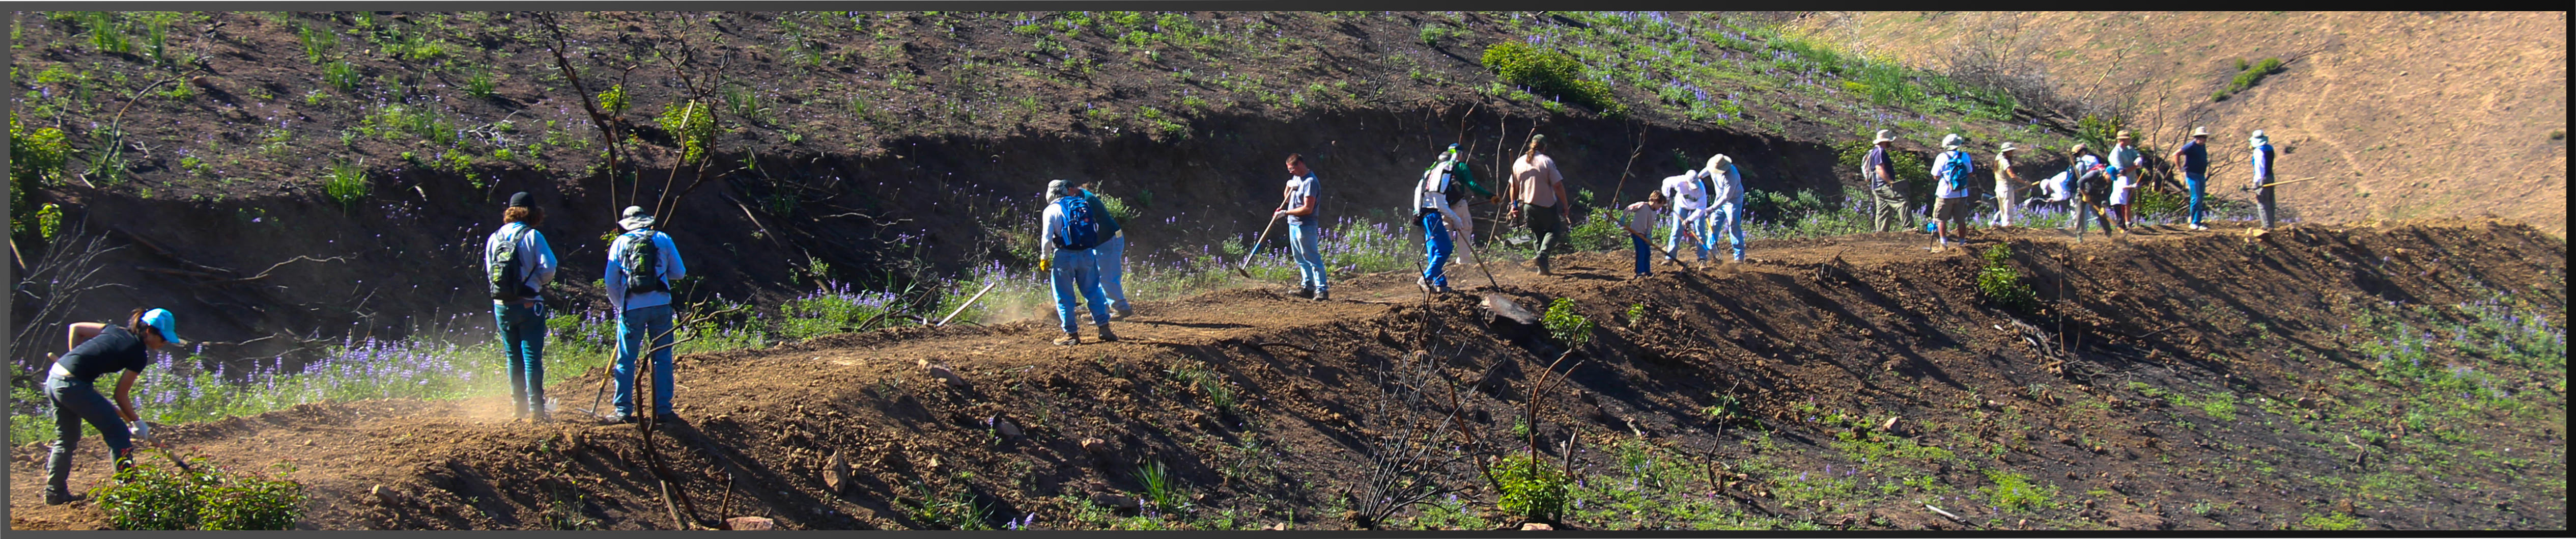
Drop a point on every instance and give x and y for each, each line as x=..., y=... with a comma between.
x=1271, y=407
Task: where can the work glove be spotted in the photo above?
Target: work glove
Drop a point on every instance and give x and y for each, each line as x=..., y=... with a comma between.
x=141, y=431
x=1046, y=265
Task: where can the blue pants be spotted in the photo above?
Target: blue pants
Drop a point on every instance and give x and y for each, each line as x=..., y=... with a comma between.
x=2199, y=186
x=1305, y=244
x=1111, y=257
x=1075, y=272
x=76, y=401
x=523, y=342
x=1698, y=226
x=1644, y=251
x=632, y=327
x=1727, y=219
x=1436, y=247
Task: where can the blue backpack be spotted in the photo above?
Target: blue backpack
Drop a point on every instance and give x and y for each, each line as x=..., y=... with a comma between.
x=1956, y=170
x=1081, y=230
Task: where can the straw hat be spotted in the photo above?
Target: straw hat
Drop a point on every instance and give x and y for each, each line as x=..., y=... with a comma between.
x=2124, y=135
x=2200, y=131
x=2079, y=148
x=2008, y=146
x=1883, y=137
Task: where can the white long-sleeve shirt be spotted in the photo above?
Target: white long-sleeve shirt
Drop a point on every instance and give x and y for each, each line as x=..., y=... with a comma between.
x=1685, y=193
x=1051, y=226
x=536, y=259
x=668, y=266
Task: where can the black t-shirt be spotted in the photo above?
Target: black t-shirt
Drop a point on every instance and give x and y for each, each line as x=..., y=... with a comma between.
x=114, y=349
x=1870, y=166
x=2195, y=158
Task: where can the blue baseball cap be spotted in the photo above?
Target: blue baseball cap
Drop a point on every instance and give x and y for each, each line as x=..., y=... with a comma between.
x=161, y=319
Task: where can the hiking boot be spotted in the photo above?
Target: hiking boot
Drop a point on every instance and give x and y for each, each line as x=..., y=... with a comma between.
x=1106, y=336
x=1123, y=312
x=59, y=497
x=1323, y=295
x=1307, y=292
x=1442, y=289
x=1069, y=339
x=621, y=419
x=1422, y=283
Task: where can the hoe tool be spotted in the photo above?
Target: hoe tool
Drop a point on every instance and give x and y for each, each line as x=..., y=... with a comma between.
x=1248, y=251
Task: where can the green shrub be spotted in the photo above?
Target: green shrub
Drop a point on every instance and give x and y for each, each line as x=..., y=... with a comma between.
x=2246, y=76
x=348, y=184
x=691, y=124
x=150, y=497
x=2002, y=284
x=1529, y=487
x=1565, y=325
x=1550, y=73
x=613, y=99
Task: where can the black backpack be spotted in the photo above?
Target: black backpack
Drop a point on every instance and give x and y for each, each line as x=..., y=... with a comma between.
x=502, y=277
x=642, y=262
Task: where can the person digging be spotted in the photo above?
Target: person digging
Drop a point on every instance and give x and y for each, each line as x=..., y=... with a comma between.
x=93, y=349
x=1070, y=230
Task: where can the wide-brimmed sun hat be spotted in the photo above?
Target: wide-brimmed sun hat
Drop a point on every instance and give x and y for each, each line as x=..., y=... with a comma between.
x=2200, y=131
x=2008, y=146
x=2124, y=135
x=1952, y=141
x=1884, y=137
x=634, y=218
x=2258, y=140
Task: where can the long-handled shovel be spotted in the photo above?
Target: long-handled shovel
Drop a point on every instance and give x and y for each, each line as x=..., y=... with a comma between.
x=1248, y=251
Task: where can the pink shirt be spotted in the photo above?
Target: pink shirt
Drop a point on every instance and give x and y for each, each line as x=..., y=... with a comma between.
x=1536, y=179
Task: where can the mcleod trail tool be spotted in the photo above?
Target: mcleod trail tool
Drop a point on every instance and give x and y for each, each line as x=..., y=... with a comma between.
x=1248, y=251
x=2285, y=181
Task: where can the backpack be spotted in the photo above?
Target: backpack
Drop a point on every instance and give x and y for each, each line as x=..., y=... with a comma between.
x=1108, y=223
x=1955, y=171
x=1081, y=230
x=1450, y=191
x=642, y=263
x=502, y=276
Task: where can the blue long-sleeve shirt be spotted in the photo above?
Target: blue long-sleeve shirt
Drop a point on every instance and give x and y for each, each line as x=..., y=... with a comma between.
x=535, y=270
x=2263, y=164
x=670, y=268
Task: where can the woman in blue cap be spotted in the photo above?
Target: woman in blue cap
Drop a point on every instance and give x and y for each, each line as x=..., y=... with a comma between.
x=97, y=349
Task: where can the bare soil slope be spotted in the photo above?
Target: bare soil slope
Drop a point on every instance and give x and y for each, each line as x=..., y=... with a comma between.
x=1273, y=407
x=2399, y=114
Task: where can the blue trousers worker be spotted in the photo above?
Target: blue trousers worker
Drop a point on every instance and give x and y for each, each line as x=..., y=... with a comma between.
x=523, y=341
x=1435, y=246
x=633, y=327
x=1075, y=272
x=1111, y=256
x=1305, y=242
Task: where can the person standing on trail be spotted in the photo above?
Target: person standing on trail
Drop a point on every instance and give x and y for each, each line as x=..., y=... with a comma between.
x=93, y=349
x=642, y=262
x=1462, y=229
x=2092, y=185
x=2005, y=205
x=517, y=264
x=2194, y=157
x=1432, y=196
x=1950, y=176
x=1305, y=230
x=1689, y=202
x=1641, y=222
x=2125, y=167
x=1888, y=197
x=1070, y=230
x=1541, y=192
x=1726, y=203
x=2263, y=179
x=1111, y=255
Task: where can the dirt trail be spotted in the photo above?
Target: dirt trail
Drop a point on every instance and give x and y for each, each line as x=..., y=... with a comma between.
x=1872, y=321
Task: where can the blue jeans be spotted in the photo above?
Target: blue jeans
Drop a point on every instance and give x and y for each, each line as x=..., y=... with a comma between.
x=1697, y=226
x=632, y=326
x=1075, y=272
x=2198, y=184
x=1111, y=258
x=1727, y=219
x=76, y=401
x=1305, y=244
x=1643, y=250
x=1435, y=247
x=523, y=344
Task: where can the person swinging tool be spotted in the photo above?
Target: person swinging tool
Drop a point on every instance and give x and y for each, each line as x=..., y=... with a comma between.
x=1689, y=201
x=1462, y=204
x=95, y=349
x=1433, y=196
x=1070, y=231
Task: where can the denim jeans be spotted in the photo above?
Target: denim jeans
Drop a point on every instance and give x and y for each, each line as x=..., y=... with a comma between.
x=1435, y=248
x=1728, y=219
x=1111, y=258
x=523, y=343
x=2198, y=184
x=632, y=327
x=1643, y=250
x=1074, y=272
x=1698, y=228
x=1305, y=243
x=76, y=401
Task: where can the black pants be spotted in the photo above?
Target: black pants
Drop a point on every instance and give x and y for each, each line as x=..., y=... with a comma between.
x=2263, y=206
x=1547, y=226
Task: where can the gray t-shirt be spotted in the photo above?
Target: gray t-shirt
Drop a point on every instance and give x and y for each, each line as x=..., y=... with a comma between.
x=1299, y=189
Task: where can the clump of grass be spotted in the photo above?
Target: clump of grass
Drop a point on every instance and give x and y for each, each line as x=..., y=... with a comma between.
x=2016, y=492
x=150, y=497
x=2246, y=77
x=348, y=184
x=2001, y=283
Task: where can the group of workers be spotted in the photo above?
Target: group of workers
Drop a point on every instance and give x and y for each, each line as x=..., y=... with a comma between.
x=1085, y=260
x=2091, y=186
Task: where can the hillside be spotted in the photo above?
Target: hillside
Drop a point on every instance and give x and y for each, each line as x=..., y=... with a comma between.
x=2409, y=376
x=2399, y=114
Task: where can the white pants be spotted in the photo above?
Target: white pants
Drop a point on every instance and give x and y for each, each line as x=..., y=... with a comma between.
x=1462, y=229
x=2005, y=204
